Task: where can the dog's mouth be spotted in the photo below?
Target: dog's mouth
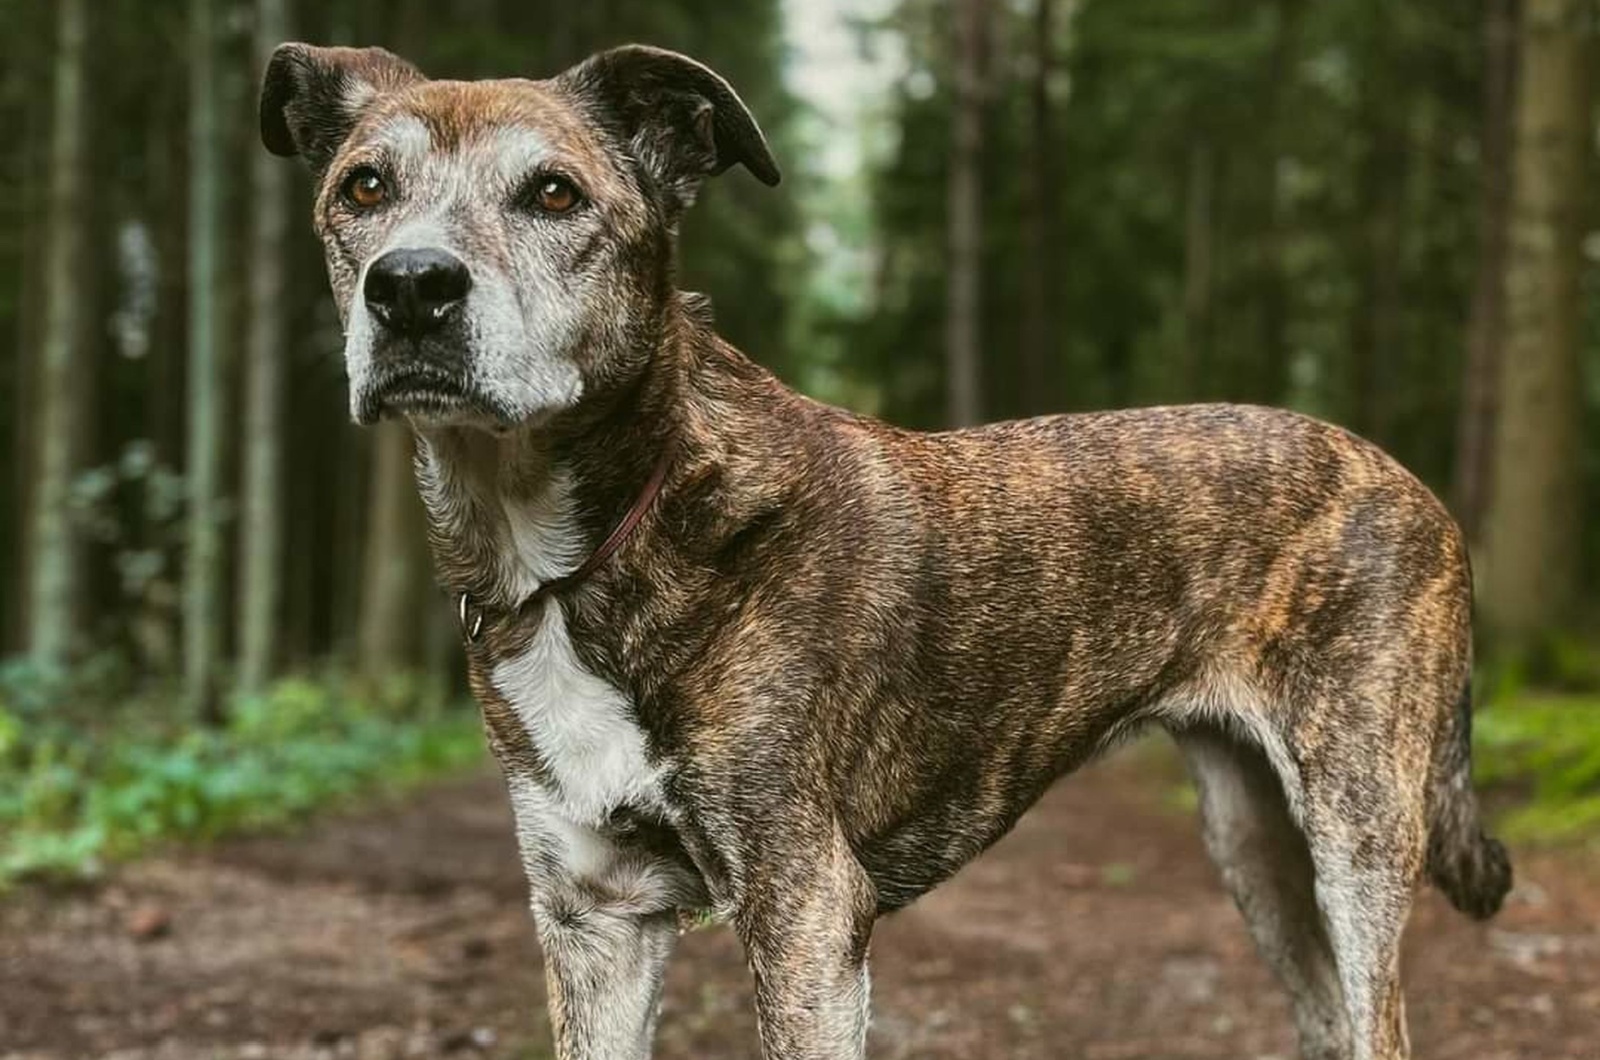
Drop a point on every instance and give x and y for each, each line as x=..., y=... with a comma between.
x=427, y=392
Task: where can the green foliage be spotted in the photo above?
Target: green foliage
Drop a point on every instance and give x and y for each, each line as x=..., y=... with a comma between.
x=1547, y=750
x=76, y=794
x=1563, y=662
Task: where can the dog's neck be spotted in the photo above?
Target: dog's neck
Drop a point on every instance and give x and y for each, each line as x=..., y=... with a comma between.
x=511, y=512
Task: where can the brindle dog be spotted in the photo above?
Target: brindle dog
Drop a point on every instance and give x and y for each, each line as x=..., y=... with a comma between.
x=834, y=660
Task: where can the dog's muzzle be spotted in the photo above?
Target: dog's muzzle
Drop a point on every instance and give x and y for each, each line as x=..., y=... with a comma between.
x=416, y=298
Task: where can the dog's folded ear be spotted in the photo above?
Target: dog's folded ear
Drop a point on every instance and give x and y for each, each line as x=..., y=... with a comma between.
x=311, y=96
x=680, y=119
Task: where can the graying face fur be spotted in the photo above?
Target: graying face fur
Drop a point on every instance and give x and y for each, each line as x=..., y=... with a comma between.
x=501, y=251
x=543, y=285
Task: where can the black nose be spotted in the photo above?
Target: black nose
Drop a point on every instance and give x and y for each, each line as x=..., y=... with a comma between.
x=414, y=292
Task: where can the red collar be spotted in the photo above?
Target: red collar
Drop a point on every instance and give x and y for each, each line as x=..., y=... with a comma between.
x=472, y=620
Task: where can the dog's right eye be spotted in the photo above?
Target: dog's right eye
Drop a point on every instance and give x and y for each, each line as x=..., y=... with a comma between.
x=364, y=188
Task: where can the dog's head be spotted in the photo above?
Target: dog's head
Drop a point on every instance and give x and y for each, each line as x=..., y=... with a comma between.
x=500, y=250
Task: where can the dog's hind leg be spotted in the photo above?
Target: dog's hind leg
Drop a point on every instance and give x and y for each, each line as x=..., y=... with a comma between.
x=1364, y=776
x=1266, y=866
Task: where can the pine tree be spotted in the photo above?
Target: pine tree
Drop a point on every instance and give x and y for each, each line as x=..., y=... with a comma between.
x=52, y=573
x=202, y=608
x=261, y=528
x=964, y=397
x=1529, y=567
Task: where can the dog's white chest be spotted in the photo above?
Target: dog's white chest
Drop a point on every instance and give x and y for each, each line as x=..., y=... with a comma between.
x=581, y=726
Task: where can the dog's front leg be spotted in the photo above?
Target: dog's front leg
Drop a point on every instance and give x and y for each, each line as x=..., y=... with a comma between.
x=805, y=924
x=603, y=972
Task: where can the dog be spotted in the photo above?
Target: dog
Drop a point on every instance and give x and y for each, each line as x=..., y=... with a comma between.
x=747, y=656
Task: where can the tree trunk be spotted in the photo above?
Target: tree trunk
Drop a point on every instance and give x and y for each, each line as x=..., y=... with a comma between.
x=1487, y=323
x=52, y=580
x=163, y=383
x=202, y=618
x=261, y=528
x=1274, y=385
x=1530, y=561
x=340, y=622
x=30, y=326
x=964, y=398
x=395, y=570
x=1197, y=231
x=1038, y=226
x=1375, y=329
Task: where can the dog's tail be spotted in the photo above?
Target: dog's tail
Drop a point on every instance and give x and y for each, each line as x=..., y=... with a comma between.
x=1469, y=866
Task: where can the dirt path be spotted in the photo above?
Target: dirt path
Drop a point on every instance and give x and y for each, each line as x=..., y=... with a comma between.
x=1095, y=931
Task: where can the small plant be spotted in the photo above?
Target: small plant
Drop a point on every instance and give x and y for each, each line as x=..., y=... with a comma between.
x=1549, y=748
x=79, y=788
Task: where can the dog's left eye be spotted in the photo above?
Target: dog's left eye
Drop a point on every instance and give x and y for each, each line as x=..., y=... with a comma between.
x=553, y=194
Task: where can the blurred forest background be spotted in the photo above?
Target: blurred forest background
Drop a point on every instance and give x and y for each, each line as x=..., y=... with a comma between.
x=218, y=610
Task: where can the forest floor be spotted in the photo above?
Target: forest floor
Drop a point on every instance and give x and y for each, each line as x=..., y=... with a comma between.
x=1096, y=931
